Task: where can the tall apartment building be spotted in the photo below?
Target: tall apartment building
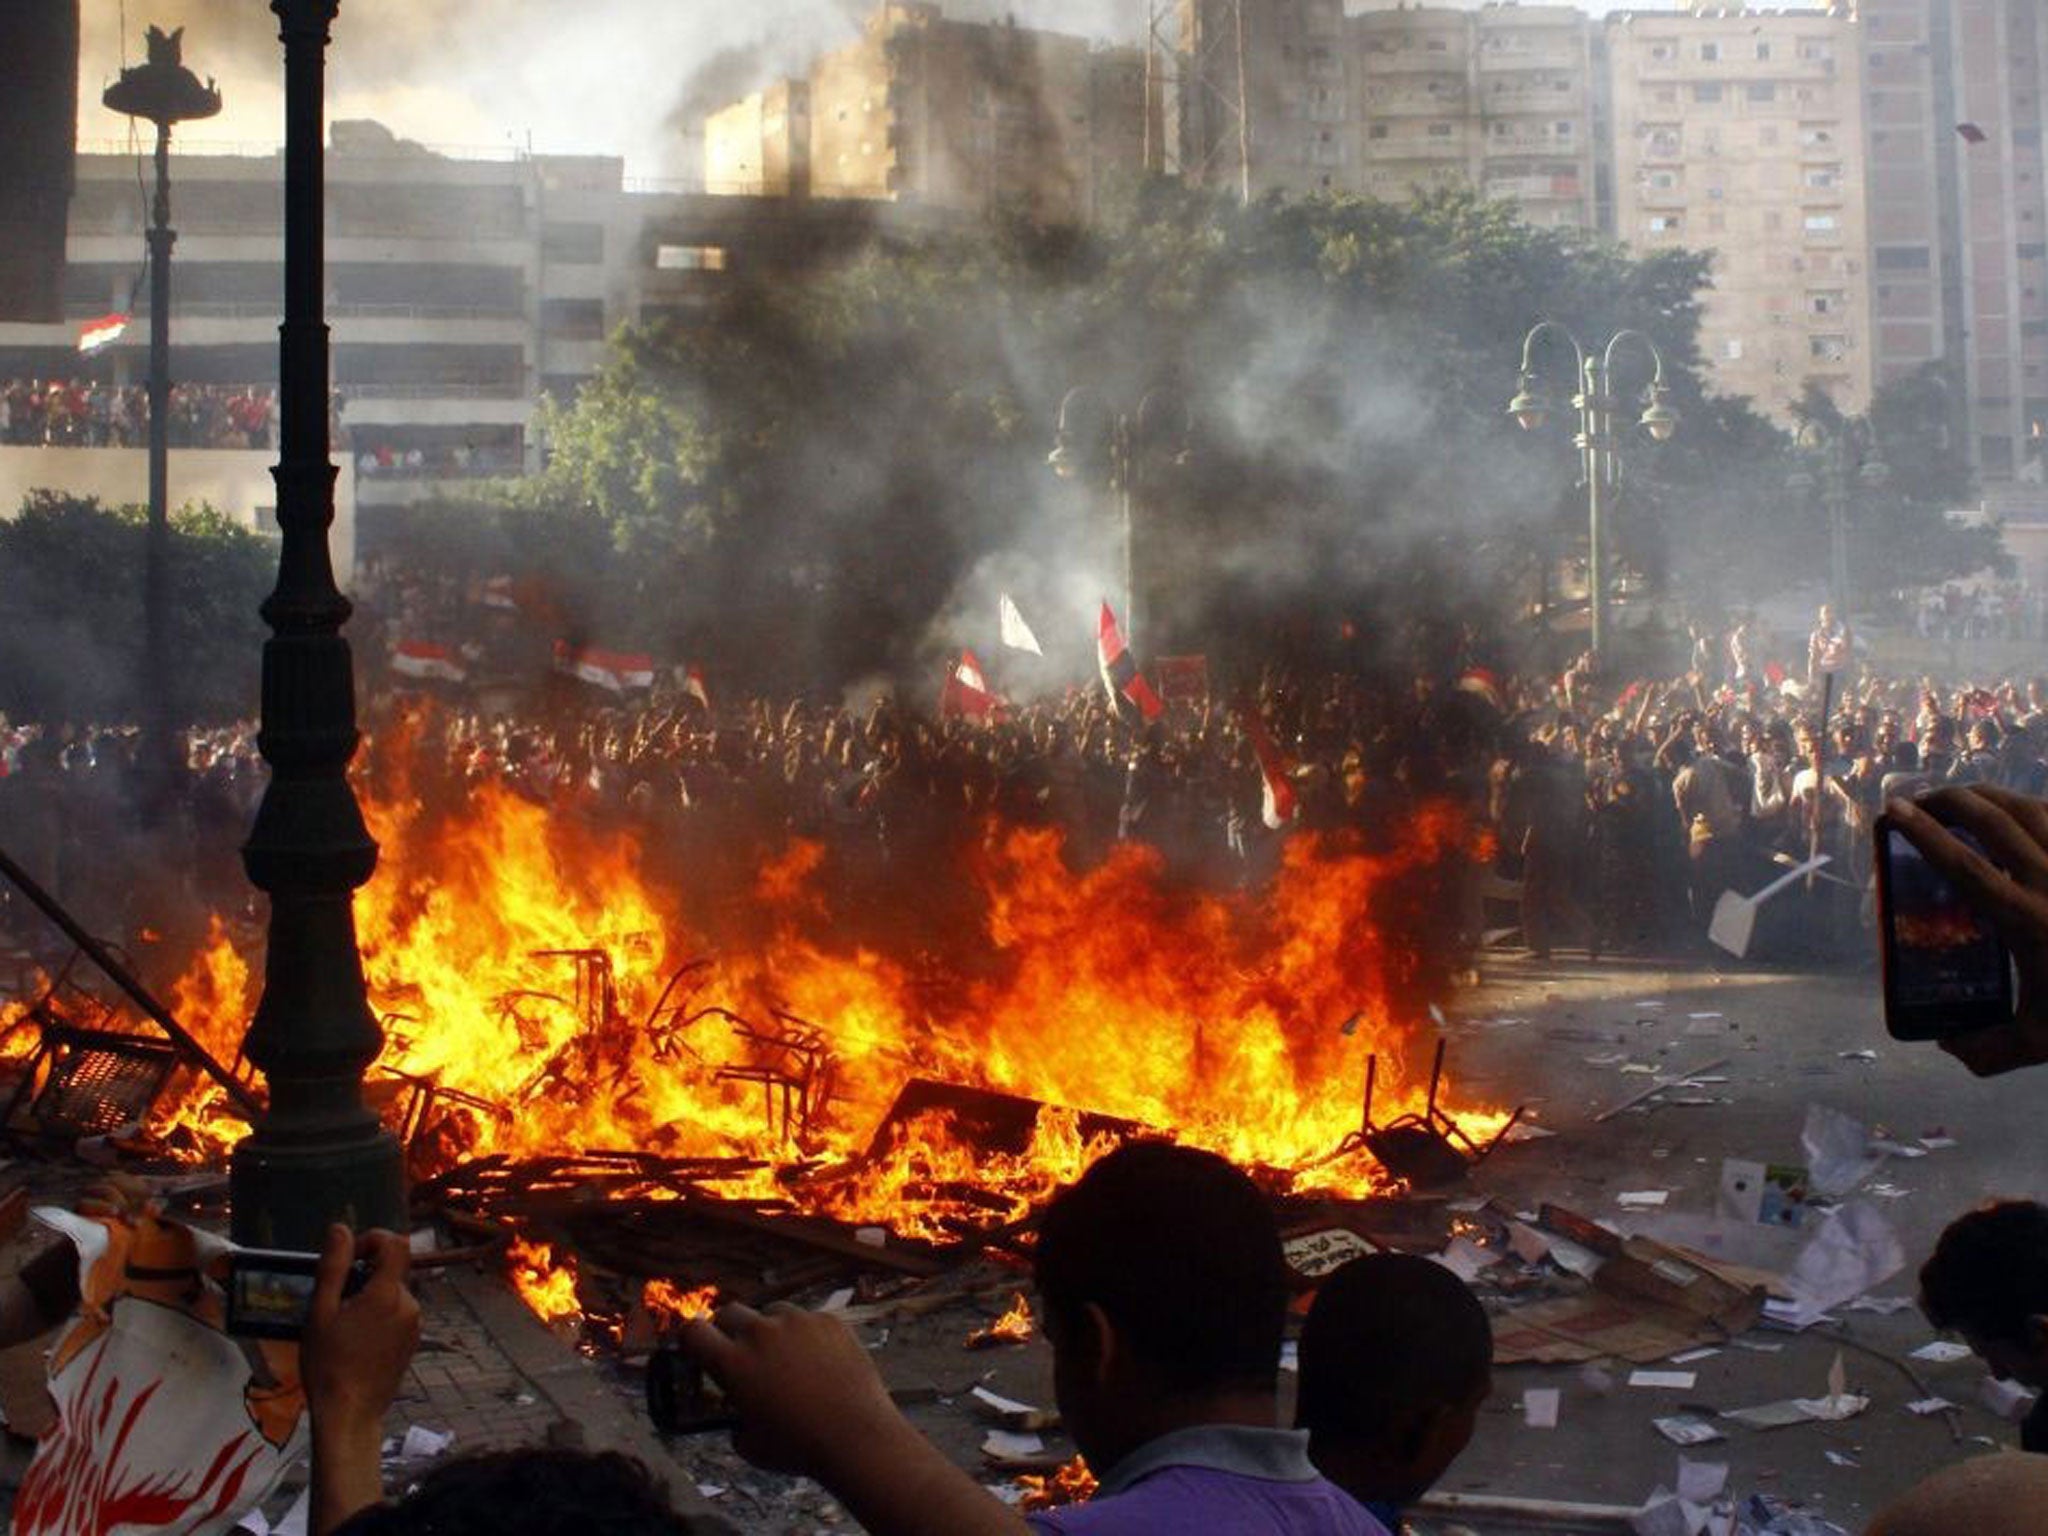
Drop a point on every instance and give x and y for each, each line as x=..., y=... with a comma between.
x=1499, y=99
x=951, y=115
x=1741, y=132
x=760, y=146
x=1262, y=98
x=1959, y=225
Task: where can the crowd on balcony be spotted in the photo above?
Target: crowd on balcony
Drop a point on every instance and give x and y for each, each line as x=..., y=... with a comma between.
x=83, y=413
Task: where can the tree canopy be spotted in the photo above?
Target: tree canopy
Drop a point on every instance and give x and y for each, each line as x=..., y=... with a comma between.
x=819, y=473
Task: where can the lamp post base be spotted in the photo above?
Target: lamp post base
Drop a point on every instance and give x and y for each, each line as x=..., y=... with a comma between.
x=285, y=1195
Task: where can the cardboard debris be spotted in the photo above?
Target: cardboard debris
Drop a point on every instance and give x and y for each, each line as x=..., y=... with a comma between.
x=1315, y=1253
x=1646, y=1302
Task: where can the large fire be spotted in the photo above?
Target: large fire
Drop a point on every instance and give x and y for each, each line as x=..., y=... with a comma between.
x=525, y=960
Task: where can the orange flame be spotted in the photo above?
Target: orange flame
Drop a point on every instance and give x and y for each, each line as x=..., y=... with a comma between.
x=670, y=1303
x=1013, y=1327
x=1072, y=1483
x=544, y=1283
x=540, y=994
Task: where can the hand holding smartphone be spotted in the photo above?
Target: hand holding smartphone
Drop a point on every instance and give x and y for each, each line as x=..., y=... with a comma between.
x=1946, y=971
x=270, y=1292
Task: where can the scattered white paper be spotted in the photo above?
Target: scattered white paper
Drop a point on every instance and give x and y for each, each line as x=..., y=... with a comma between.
x=1770, y=1415
x=1864, y=1055
x=1574, y=1259
x=1853, y=1251
x=1526, y=1130
x=839, y=1300
x=1937, y=1141
x=1466, y=1259
x=1649, y=1002
x=2008, y=1399
x=1540, y=1405
x=1703, y=1015
x=1923, y=1407
x=1642, y=1199
x=1002, y=1407
x=711, y=1490
x=293, y=1521
x=1640, y=1068
x=1759, y=1346
x=254, y=1523
x=1838, y=1155
x=1883, y=1306
x=1008, y=1445
x=1701, y=1028
x=1684, y=1429
x=1841, y=1459
x=1666, y=1515
x=1942, y=1352
x=1701, y=1482
x=1674, y=1381
x=423, y=1444
x=1691, y=1355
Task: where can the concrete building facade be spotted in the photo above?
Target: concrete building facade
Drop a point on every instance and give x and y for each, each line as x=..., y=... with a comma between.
x=1959, y=211
x=1500, y=100
x=1740, y=132
x=760, y=146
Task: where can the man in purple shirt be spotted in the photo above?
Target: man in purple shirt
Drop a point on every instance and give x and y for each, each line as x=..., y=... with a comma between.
x=1164, y=1292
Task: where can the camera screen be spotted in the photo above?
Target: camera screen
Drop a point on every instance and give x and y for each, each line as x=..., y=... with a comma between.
x=272, y=1297
x=1942, y=953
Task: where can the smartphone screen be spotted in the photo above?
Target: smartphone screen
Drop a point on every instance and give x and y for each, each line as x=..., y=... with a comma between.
x=1945, y=969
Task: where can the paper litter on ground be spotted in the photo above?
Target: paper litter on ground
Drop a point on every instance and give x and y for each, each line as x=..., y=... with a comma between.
x=1642, y=1199
x=1704, y=1353
x=1883, y=1306
x=1685, y=1429
x=1925, y=1406
x=1676, y=1381
x=422, y=1444
x=2008, y=1399
x=1008, y=1445
x=1941, y=1352
x=1540, y=1405
x=1701, y=1482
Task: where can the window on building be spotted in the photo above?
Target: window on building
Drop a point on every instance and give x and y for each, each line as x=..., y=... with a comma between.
x=1903, y=258
x=1710, y=53
x=1767, y=135
x=1815, y=136
x=1827, y=349
x=1663, y=181
x=1831, y=302
x=1439, y=130
x=1763, y=52
x=1731, y=349
x=1376, y=131
x=1564, y=130
x=1662, y=223
x=1663, y=52
x=689, y=258
x=1665, y=94
x=573, y=319
x=1705, y=94
x=1820, y=223
x=1823, y=178
x=1762, y=92
x=1816, y=50
x=572, y=244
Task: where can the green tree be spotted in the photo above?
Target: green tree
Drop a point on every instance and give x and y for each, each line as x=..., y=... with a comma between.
x=71, y=610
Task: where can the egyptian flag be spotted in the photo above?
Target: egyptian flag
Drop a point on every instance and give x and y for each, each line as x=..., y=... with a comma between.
x=693, y=686
x=1981, y=701
x=1481, y=682
x=1277, y=803
x=616, y=671
x=423, y=659
x=1120, y=674
x=967, y=691
x=498, y=592
x=103, y=331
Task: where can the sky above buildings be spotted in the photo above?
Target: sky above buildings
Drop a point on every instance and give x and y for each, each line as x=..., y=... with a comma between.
x=627, y=77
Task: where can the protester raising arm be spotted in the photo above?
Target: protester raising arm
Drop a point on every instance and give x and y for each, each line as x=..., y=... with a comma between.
x=810, y=1401
x=353, y=1357
x=2009, y=889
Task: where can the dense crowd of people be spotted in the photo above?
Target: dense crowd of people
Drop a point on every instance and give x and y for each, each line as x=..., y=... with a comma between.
x=83, y=413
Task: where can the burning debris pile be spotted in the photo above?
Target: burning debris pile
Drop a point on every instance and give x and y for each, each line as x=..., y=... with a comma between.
x=721, y=1092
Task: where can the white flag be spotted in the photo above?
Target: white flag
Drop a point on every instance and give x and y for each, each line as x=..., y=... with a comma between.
x=1016, y=633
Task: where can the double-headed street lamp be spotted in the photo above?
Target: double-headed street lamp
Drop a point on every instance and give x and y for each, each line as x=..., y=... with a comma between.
x=161, y=90
x=1839, y=453
x=1598, y=437
x=1120, y=445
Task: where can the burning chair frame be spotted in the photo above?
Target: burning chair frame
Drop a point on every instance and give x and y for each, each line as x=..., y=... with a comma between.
x=1426, y=1149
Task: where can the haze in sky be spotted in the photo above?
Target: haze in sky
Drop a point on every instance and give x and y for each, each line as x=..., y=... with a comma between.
x=622, y=77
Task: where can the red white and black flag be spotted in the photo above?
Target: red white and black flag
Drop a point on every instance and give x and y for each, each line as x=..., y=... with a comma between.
x=967, y=691
x=1120, y=674
x=694, y=688
x=1483, y=683
x=613, y=670
x=424, y=659
x=1277, y=805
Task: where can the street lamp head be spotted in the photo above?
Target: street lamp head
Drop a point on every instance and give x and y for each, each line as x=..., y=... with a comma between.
x=1529, y=409
x=1064, y=461
x=1811, y=436
x=1659, y=419
x=162, y=90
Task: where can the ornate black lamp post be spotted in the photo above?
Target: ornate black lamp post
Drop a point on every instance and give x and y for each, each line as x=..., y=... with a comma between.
x=1132, y=439
x=162, y=91
x=1598, y=439
x=319, y=1153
